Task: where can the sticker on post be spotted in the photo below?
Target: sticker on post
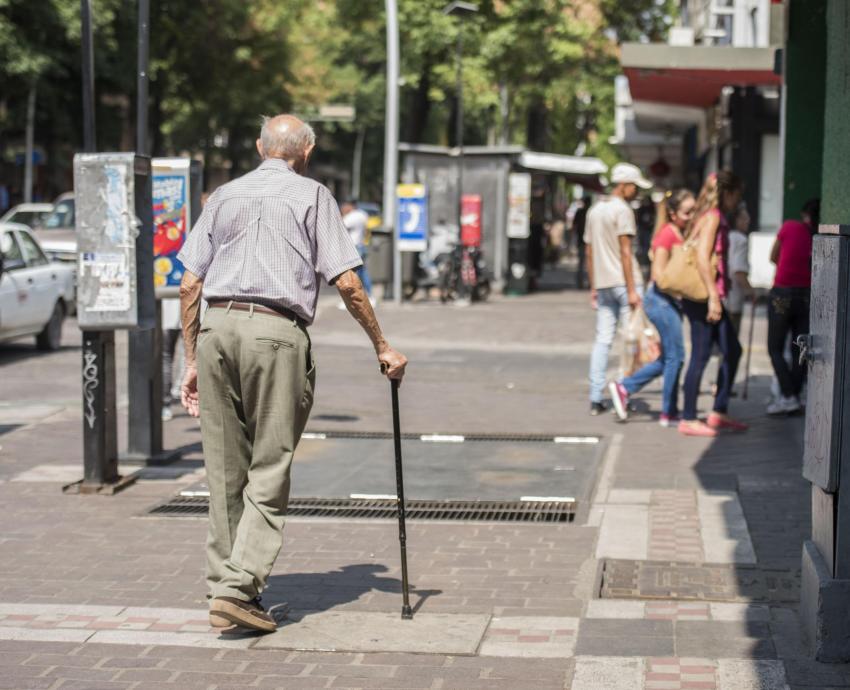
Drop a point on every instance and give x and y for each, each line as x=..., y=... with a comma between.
x=111, y=276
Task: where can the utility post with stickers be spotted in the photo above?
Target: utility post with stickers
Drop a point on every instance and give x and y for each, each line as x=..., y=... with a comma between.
x=115, y=291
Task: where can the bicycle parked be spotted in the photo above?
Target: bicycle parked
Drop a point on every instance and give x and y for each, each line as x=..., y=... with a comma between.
x=464, y=275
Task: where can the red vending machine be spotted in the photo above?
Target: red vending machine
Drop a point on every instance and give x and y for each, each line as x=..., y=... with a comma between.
x=470, y=220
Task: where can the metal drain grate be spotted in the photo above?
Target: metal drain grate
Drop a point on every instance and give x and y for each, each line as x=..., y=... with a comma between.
x=665, y=580
x=450, y=437
x=354, y=508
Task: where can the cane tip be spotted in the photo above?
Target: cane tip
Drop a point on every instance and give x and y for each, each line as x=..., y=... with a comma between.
x=407, y=613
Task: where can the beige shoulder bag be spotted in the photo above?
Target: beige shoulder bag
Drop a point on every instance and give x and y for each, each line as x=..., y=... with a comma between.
x=681, y=276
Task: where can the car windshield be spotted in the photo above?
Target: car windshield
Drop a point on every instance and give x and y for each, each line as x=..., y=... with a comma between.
x=27, y=217
x=62, y=216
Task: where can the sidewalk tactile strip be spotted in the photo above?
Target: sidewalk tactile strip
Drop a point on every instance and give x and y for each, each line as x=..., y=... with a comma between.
x=680, y=674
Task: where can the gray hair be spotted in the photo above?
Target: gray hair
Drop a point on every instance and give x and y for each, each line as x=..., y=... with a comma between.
x=285, y=142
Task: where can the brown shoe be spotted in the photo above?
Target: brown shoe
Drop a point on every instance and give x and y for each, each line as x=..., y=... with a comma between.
x=229, y=611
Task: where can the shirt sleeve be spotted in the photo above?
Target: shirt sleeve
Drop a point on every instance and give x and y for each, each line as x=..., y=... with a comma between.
x=738, y=254
x=626, y=221
x=198, y=252
x=335, y=251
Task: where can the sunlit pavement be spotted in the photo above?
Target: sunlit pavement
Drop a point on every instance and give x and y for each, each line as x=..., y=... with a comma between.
x=95, y=592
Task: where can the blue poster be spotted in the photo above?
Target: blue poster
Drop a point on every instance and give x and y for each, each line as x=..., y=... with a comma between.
x=412, y=217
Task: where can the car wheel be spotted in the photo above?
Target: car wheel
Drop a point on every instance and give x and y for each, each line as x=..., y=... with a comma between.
x=50, y=339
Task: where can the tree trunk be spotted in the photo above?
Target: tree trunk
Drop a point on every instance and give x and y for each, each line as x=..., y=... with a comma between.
x=357, y=163
x=420, y=108
x=537, y=132
x=504, y=115
x=30, y=136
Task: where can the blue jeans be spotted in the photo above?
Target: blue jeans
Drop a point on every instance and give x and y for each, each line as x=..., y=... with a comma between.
x=363, y=271
x=704, y=336
x=667, y=318
x=613, y=306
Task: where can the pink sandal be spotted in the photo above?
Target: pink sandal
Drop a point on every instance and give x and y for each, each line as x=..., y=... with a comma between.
x=696, y=428
x=717, y=421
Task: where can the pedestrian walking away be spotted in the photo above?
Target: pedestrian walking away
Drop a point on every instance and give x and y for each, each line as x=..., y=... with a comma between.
x=170, y=337
x=256, y=256
x=665, y=312
x=356, y=222
x=788, y=308
x=710, y=322
x=615, y=279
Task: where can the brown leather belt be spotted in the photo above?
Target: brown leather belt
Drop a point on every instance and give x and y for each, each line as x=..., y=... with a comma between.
x=282, y=312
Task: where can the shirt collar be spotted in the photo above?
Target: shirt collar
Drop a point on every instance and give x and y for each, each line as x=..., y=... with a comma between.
x=275, y=164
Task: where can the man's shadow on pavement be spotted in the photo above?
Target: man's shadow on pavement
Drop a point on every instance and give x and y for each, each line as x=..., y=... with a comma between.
x=291, y=598
x=325, y=591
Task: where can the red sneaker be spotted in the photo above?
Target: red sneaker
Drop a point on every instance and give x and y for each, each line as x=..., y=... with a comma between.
x=718, y=421
x=696, y=428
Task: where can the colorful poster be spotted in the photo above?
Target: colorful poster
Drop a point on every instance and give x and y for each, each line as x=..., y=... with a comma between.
x=171, y=221
x=519, y=206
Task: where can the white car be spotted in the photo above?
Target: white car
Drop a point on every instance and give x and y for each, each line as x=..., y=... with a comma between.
x=56, y=233
x=35, y=293
x=31, y=215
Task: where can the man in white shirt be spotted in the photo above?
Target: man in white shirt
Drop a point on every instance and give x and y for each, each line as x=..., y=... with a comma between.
x=616, y=285
x=356, y=221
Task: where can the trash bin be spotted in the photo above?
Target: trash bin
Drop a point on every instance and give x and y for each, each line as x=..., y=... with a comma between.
x=380, y=258
x=519, y=276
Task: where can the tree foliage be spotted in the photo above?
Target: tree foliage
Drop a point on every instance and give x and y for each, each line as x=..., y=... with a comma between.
x=535, y=72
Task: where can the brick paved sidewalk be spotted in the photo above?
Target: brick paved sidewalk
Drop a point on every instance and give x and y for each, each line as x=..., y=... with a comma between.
x=515, y=366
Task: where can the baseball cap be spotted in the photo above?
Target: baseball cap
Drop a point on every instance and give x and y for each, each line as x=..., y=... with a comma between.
x=626, y=173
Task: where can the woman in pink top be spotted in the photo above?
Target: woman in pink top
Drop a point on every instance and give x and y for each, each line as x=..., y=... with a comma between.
x=665, y=313
x=710, y=323
x=788, y=309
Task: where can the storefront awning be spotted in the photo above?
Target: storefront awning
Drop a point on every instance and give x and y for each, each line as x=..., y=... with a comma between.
x=694, y=75
x=557, y=163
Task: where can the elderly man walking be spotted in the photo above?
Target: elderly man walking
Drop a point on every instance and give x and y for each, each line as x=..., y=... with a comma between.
x=256, y=256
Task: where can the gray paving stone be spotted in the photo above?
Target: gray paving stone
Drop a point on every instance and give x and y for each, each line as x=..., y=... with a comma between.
x=624, y=646
x=728, y=648
x=709, y=630
x=600, y=627
x=432, y=633
x=810, y=673
x=751, y=675
x=609, y=673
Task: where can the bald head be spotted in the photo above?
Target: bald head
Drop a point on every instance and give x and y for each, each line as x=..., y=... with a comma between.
x=287, y=138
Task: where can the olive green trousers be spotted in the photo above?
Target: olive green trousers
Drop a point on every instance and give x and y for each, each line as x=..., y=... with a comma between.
x=256, y=377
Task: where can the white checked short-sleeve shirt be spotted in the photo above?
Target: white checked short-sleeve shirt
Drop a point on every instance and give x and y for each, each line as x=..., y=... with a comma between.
x=267, y=237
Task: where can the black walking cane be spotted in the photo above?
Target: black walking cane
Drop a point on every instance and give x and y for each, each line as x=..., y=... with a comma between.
x=406, y=611
x=749, y=349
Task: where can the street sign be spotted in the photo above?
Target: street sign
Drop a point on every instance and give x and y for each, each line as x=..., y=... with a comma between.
x=519, y=206
x=412, y=217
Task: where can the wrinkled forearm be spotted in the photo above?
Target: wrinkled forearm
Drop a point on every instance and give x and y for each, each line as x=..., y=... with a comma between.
x=357, y=302
x=190, y=314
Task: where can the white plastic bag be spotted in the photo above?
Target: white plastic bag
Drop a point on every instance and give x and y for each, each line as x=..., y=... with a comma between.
x=641, y=343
